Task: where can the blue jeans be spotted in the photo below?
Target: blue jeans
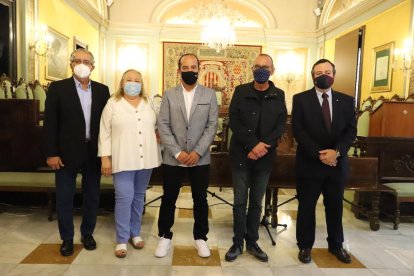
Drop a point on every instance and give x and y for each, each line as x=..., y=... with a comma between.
x=248, y=184
x=130, y=188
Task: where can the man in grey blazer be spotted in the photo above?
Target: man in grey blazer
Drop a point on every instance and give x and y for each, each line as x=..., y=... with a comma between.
x=187, y=124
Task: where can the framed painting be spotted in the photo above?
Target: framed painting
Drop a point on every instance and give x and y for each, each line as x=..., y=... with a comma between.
x=57, y=56
x=383, y=58
x=221, y=71
x=78, y=44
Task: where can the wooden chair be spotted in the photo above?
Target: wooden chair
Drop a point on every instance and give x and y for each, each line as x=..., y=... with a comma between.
x=410, y=98
x=6, y=87
x=218, y=141
x=365, y=104
x=156, y=102
x=2, y=93
x=362, y=130
x=403, y=192
x=363, y=122
x=378, y=102
x=395, y=98
x=23, y=91
x=39, y=93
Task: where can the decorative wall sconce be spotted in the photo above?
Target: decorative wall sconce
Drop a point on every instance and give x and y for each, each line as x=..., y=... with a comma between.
x=290, y=72
x=42, y=41
x=403, y=57
x=290, y=77
x=290, y=68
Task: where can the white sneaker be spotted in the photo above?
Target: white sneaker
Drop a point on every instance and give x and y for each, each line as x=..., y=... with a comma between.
x=202, y=248
x=163, y=246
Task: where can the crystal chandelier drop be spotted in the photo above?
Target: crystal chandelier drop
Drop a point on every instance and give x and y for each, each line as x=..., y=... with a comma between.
x=218, y=23
x=218, y=34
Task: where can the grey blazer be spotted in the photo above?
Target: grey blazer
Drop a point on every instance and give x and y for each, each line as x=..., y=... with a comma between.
x=179, y=134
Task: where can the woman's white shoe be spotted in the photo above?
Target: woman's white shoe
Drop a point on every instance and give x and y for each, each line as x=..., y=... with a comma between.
x=137, y=242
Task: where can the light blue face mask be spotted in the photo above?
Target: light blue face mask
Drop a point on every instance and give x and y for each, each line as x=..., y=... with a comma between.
x=132, y=88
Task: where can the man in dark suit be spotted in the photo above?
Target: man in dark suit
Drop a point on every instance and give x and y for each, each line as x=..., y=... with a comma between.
x=324, y=126
x=72, y=114
x=257, y=117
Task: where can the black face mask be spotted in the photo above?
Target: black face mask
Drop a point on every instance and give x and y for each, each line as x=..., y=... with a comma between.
x=189, y=77
x=323, y=81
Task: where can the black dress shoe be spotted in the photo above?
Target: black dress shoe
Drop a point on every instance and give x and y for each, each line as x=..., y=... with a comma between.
x=66, y=249
x=305, y=255
x=234, y=251
x=256, y=251
x=341, y=255
x=88, y=242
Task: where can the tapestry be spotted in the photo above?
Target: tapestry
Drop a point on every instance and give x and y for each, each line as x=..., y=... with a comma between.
x=221, y=71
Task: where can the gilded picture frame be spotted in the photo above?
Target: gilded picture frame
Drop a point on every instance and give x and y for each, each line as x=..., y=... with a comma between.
x=382, y=71
x=78, y=44
x=57, y=56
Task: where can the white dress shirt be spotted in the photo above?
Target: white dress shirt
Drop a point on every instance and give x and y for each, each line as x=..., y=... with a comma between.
x=188, y=101
x=85, y=97
x=127, y=134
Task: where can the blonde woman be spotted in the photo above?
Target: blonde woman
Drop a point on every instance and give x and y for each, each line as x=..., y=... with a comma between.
x=129, y=151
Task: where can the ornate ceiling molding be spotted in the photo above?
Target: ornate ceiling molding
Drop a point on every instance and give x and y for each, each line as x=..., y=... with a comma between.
x=350, y=12
x=97, y=11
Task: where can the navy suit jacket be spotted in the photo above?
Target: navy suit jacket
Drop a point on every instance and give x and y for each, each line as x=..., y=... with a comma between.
x=64, y=124
x=312, y=135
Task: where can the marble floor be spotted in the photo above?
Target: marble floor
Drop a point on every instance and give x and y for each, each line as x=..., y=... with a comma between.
x=29, y=245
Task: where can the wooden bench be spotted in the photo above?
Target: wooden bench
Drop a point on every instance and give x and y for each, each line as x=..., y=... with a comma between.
x=403, y=192
x=363, y=176
x=41, y=182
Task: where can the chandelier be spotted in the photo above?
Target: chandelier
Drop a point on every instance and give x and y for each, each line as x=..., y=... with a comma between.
x=218, y=34
x=218, y=23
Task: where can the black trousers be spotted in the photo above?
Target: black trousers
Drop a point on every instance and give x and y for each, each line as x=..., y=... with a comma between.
x=172, y=180
x=65, y=192
x=308, y=190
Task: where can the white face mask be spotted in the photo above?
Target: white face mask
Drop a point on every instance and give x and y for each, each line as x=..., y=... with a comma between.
x=82, y=71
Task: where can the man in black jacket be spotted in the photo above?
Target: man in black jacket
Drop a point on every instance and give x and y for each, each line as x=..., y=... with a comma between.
x=257, y=117
x=324, y=126
x=72, y=114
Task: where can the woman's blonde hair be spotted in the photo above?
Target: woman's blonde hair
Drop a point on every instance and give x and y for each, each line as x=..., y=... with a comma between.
x=120, y=92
